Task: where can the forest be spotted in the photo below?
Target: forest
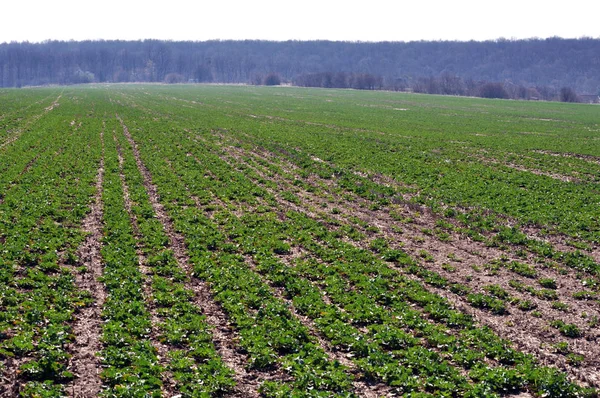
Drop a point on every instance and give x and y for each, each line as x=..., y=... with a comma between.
x=529, y=69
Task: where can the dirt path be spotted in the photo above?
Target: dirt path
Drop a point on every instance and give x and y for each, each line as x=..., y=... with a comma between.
x=87, y=329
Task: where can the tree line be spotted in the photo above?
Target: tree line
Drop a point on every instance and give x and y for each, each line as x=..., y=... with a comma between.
x=532, y=68
x=445, y=84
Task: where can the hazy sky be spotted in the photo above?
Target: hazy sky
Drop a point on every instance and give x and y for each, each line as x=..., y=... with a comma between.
x=373, y=20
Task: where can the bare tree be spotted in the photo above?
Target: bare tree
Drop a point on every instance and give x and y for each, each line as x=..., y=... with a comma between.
x=547, y=65
x=450, y=84
x=174, y=78
x=567, y=94
x=272, y=79
x=340, y=80
x=493, y=90
x=257, y=79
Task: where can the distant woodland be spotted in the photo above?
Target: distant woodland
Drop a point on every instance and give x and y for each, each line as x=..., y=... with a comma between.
x=534, y=69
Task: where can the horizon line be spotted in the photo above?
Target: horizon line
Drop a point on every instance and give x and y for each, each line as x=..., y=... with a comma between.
x=496, y=40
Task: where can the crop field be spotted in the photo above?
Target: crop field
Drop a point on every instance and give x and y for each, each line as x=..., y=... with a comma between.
x=196, y=241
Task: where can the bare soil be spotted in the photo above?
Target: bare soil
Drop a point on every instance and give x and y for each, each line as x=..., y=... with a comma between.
x=87, y=328
x=589, y=158
x=10, y=383
x=529, y=333
x=361, y=387
x=168, y=386
x=224, y=336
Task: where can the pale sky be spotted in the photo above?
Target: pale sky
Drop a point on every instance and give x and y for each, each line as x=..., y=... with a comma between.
x=374, y=20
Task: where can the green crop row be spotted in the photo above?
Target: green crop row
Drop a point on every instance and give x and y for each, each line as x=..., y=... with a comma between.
x=269, y=333
x=193, y=362
x=194, y=175
x=46, y=183
x=496, y=300
x=130, y=362
x=422, y=146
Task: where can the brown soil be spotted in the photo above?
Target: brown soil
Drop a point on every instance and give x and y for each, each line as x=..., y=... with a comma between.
x=559, y=240
x=589, y=158
x=10, y=383
x=29, y=165
x=529, y=333
x=224, y=337
x=168, y=387
x=87, y=329
x=54, y=104
x=364, y=388
x=361, y=388
x=493, y=161
x=556, y=176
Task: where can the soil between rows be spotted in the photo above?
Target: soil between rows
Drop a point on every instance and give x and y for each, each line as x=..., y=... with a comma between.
x=224, y=337
x=529, y=334
x=87, y=329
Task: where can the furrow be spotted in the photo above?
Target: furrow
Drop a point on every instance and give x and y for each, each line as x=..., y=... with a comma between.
x=559, y=241
x=361, y=387
x=168, y=387
x=516, y=326
x=224, y=337
x=416, y=236
x=85, y=363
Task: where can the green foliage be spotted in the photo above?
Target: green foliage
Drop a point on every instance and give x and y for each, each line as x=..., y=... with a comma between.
x=566, y=329
x=522, y=269
x=548, y=283
x=490, y=303
x=585, y=295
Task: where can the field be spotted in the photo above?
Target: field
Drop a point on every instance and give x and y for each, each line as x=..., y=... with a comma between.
x=237, y=241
